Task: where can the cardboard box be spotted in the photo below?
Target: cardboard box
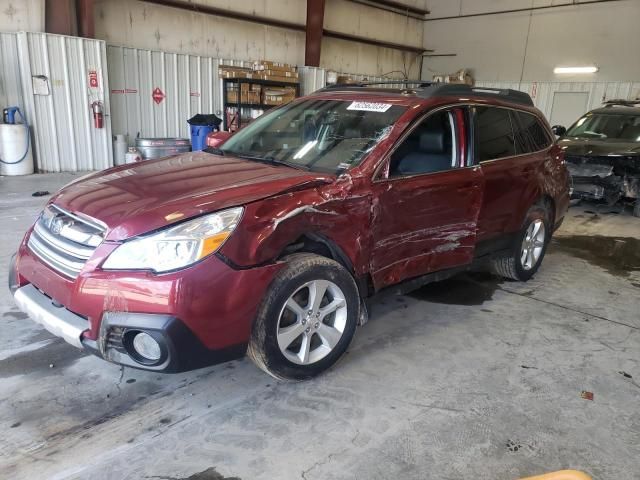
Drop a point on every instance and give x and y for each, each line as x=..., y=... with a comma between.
x=275, y=66
x=278, y=96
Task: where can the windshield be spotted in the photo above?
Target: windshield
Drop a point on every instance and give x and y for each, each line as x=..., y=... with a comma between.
x=605, y=125
x=320, y=135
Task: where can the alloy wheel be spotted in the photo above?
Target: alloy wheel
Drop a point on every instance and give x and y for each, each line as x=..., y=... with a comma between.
x=532, y=244
x=312, y=322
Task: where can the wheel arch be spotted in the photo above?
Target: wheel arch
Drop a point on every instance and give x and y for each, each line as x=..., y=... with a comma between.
x=312, y=242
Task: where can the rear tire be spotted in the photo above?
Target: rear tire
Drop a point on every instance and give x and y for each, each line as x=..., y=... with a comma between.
x=529, y=247
x=306, y=320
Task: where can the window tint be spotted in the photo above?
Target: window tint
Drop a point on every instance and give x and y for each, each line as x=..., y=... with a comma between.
x=531, y=133
x=494, y=134
x=430, y=147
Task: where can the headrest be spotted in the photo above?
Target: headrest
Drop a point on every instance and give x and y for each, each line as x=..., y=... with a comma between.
x=432, y=141
x=352, y=133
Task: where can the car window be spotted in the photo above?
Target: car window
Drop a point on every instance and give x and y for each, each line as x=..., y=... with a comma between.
x=430, y=147
x=494, y=135
x=530, y=135
x=316, y=134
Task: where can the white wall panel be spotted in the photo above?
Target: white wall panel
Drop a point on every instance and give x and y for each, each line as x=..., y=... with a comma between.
x=10, y=84
x=190, y=83
x=62, y=121
x=542, y=92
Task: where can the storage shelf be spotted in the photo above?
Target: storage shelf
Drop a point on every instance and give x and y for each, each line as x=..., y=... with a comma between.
x=240, y=105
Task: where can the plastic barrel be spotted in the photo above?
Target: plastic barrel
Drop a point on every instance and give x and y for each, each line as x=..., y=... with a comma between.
x=199, y=136
x=14, y=142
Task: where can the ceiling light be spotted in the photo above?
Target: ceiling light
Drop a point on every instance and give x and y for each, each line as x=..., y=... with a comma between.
x=561, y=70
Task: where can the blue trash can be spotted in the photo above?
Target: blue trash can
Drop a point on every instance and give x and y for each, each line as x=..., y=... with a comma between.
x=199, y=136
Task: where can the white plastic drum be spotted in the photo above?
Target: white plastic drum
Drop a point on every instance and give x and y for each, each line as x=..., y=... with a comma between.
x=15, y=150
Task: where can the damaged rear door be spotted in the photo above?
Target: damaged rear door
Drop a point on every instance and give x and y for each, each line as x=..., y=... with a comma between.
x=427, y=198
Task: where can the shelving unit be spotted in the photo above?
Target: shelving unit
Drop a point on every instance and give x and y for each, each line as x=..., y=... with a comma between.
x=239, y=105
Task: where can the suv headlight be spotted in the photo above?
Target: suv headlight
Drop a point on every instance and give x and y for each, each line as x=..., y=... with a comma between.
x=176, y=247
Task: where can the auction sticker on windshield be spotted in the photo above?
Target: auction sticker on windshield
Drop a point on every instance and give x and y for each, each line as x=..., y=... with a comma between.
x=369, y=106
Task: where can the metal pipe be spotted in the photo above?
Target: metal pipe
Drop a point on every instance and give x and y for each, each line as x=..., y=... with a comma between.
x=405, y=10
x=517, y=10
x=394, y=6
x=220, y=12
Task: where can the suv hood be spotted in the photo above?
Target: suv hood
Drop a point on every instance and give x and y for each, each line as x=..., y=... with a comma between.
x=598, y=148
x=141, y=197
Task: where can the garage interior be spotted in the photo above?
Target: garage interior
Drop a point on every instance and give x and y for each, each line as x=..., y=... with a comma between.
x=471, y=377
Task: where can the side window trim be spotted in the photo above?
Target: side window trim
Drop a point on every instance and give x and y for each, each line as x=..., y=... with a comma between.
x=382, y=173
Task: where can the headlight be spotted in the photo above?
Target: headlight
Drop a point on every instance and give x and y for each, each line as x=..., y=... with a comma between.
x=176, y=247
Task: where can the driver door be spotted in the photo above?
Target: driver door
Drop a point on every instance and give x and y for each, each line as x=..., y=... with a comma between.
x=427, y=200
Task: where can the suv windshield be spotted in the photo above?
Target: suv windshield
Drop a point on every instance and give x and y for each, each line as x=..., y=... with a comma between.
x=319, y=135
x=605, y=125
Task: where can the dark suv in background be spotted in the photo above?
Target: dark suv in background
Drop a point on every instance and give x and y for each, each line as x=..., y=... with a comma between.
x=272, y=242
x=602, y=150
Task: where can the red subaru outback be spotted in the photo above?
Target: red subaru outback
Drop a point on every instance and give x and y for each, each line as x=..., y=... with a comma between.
x=271, y=243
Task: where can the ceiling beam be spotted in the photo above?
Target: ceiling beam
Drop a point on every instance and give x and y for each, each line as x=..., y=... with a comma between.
x=219, y=12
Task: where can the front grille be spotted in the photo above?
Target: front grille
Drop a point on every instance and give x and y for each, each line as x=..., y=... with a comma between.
x=65, y=241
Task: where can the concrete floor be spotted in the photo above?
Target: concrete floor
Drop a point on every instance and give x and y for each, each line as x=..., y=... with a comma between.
x=473, y=378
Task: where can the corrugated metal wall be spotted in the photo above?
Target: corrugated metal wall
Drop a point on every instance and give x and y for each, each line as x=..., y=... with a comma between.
x=62, y=123
x=189, y=85
x=542, y=92
x=10, y=84
x=186, y=85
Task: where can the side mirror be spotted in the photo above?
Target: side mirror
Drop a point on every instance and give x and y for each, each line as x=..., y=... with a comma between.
x=215, y=139
x=558, y=130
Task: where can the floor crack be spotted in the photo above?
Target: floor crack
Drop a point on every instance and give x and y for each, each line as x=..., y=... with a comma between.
x=575, y=310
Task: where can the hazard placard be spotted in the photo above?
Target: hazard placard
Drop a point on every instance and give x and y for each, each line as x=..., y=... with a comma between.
x=157, y=95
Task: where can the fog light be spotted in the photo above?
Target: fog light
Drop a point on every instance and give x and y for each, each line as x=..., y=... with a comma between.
x=147, y=347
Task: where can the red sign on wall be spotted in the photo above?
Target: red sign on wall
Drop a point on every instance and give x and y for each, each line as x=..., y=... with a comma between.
x=93, y=79
x=157, y=95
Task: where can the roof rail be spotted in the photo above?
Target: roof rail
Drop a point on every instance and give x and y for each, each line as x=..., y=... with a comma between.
x=427, y=89
x=622, y=102
x=506, y=94
x=419, y=83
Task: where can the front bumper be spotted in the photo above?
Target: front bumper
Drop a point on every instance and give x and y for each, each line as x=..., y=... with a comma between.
x=181, y=350
x=54, y=317
x=201, y=315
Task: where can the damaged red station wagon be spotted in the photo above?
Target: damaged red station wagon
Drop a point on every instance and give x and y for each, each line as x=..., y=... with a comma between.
x=271, y=243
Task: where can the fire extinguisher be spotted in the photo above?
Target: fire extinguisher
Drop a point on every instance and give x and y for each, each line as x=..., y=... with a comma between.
x=97, y=114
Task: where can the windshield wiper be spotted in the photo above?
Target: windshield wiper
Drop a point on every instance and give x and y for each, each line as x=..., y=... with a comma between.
x=215, y=151
x=270, y=160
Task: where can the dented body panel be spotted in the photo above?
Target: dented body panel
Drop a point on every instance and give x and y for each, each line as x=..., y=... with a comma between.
x=383, y=230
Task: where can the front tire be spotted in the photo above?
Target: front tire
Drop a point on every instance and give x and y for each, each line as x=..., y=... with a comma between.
x=307, y=318
x=529, y=247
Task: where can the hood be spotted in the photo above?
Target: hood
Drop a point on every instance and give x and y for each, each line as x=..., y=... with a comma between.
x=598, y=148
x=137, y=198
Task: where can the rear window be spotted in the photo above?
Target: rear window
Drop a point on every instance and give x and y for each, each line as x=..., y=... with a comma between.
x=530, y=135
x=494, y=134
